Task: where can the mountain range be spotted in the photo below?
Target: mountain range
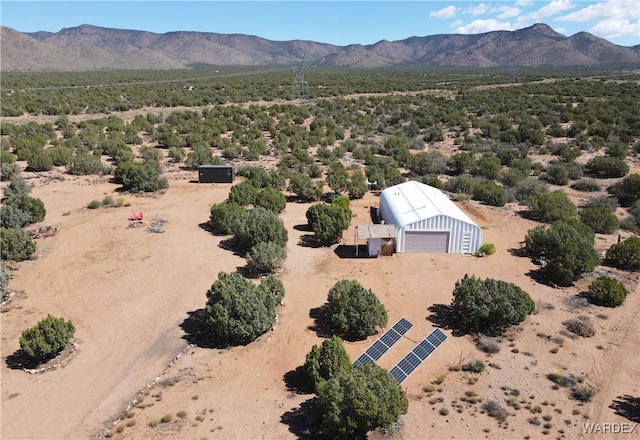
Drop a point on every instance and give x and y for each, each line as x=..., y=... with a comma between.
x=92, y=48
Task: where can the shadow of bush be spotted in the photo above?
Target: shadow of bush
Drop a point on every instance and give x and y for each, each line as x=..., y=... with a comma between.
x=197, y=332
x=296, y=381
x=301, y=420
x=628, y=407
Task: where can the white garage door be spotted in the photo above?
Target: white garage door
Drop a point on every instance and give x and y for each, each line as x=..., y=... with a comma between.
x=426, y=241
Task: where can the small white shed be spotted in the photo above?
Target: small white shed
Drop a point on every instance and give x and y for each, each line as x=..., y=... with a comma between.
x=427, y=221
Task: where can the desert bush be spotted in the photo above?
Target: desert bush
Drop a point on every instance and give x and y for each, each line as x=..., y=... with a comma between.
x=551, y=206
x=586, y=185
x=140, y=177
x=626, y=254
x=238, y=311
x=271, y=198
x=463, y=184
x=626, y=190
x=600, y=219
x=490, y=193
x=326, y=361
x=581, y=326
x=561, y=379
x=17, y=185
x=529, y=188
x=9, y=170
x=5, y=276
x=39, y=160
x=355, y=311
x=486, y=249
x=243, y=193
x=487, y=344
x=32, y=207
x=265, y=257
x=583, y=393
x=305, y=188
x=94, y=204
x=273, y=286
x=201, y=155
x=328, y=222
x=487, y=166
x=605, y=166
x=495, y=410
x=357, y=186
x=489, y=306
x=474, y=366
x=353, y=404
x=12, y=217
x=557, y=174
x=259, y=225
x=84, y=163
x=16, y=244
x=46, y=339
x=223, y=215
x=607, y=291
x=566, y=249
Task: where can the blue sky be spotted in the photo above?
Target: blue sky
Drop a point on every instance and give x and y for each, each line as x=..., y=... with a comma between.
x=335, y=22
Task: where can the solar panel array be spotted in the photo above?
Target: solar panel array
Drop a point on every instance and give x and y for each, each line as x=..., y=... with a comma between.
x=385, y=342
x=415, y=357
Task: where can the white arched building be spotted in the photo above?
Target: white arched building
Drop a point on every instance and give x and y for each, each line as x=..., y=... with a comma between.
x=427, y=221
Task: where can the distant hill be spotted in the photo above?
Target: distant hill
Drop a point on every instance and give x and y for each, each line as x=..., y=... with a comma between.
x=91, y=48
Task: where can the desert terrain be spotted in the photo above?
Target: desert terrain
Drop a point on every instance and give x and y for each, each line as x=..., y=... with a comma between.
x=139, y=373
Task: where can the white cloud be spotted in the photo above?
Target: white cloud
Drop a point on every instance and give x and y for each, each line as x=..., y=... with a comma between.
x=553, y=8
x=616, y=28
x=508, y=11
x=611, y=18
x=478, y=9
x=444, y=13
x=456, y=23
x=522, y=3
x=480, y=26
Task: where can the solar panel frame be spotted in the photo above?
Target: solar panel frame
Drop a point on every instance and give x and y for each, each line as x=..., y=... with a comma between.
x=384, y=342
x=417, y=356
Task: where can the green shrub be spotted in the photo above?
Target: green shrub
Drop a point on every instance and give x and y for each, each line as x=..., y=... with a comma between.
x=237, y=311
x=31, y=206
x=626, y=254
x=305, y=188
x=486, y=249
x=46, y=339
x=271, y=198
x=474, y=366
x=607, y=291
x=243, y=193
x=586, y=185
x=626, y=190
x=581, y=326
x=259, y=225
x=493, y=409
x=605, y=166
x=94, y=204
x=39, y=160
x=353, y=404
x=355, y=311
x=16, y=244
x=326, y=361
x=83, y=164
x=265, y=257
x=328, y=222
x=17, y=185
x=600, y=219
x=223, y=215
x=273, y=286
x=488, y=306
x=9, y=170
x=140, y=177
x=490, y=193
x=551, y=206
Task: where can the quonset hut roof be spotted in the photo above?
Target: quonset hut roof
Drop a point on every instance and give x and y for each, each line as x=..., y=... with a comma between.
x=413, y=201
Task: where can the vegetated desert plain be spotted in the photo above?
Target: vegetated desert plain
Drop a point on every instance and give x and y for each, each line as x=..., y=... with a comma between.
x=132, y=294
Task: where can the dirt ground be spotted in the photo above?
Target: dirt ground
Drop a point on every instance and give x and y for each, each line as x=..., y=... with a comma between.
x=132, y=295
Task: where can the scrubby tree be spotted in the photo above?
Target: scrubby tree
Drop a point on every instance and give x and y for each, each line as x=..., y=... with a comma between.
x=305, y=188
x=265, y=257
x=600, y=219
x=17, y=185
x=565, y=250
x=549, y=207
x=140, y=177
x=272, y=199
x=489, y=306
x=626, y=190
x=337, y=177
x=326, y=361
x=605, y=166
x=16, y=244
x=46, y=339
x=328, y=221
x=33, y=208
x=607, y=291
x=223, y=215
x=238, y=311
x=460, y=163
x=243, y=193
x=352, y=404
x=273, y=286
x=259, y=225
x=355, y=311
x=491, y=193
x=487, y=166
x=357, y=186
x=626, y=254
